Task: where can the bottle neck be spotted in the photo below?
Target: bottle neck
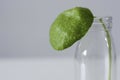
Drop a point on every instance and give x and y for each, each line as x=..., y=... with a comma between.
x=99, y=22
x=107, y=21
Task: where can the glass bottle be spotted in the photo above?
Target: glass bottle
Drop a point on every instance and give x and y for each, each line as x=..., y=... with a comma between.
x=95, y=57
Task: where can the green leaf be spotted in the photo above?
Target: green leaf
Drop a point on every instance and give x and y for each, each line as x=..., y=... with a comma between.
x=70, y=26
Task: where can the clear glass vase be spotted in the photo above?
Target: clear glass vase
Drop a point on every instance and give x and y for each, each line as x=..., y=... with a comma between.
x=95, y=57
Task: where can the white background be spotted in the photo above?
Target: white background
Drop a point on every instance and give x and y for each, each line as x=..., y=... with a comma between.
x=24, y=36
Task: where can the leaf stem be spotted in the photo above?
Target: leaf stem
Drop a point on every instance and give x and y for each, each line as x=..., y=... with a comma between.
x=109, y=47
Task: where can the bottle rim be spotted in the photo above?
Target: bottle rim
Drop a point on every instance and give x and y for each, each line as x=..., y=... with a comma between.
x=105, y=19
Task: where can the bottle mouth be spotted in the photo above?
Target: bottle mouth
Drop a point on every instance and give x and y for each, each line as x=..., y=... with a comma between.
x=107, y=21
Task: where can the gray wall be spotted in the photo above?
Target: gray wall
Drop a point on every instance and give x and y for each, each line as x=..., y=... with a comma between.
x=24, y=25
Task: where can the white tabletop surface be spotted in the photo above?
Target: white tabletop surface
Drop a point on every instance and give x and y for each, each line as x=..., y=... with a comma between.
x=39, y=69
